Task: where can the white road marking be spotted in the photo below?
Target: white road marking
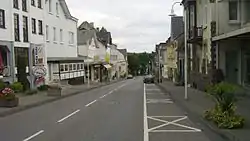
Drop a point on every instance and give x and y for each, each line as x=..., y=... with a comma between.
x=103, y=96
x=153, y=90
x=61, y=120
x=111, y=92
x=173, y=123
x=146, y=137
x=167, y=116
x=90, y=103
x=168, y=101
x=166, y=123
x=34, y=135
x=156, y=93
x=175, y=131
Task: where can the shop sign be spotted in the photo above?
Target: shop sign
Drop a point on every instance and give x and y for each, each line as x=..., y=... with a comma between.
x=39, y=71
x=39, y=55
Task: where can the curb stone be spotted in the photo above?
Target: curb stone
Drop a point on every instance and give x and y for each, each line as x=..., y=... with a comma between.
x=26, y=107
x=222, y=135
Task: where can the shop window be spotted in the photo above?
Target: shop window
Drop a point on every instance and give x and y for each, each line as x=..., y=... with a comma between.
x=70, y=67
x=62, y=68
x=66, y=67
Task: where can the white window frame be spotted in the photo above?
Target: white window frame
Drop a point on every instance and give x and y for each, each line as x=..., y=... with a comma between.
x=61, y=36
x=47, y=33
x=50, y=6
x=54, y=34
x=238, y=13
x=57, y=9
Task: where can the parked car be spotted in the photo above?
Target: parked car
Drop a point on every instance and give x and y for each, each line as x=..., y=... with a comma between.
x=130, y=76
x=149, y=79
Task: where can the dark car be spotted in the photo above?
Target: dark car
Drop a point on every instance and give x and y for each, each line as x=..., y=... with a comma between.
x=148, y=79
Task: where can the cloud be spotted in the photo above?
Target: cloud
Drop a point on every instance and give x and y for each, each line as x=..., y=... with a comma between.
x=134, y=24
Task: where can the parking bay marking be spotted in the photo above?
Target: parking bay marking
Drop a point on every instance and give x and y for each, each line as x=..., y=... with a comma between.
x=174, y=122
x=167, y=101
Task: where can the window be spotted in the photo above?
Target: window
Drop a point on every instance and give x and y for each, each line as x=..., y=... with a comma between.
x=40, y=27
x=24, y=5
x=70, y=67
x=50, y=6
x=15, y=4
x=74, y=66
x=47, y=33
x=62, y=68
x=78, y=66
x=25, y=29
x=71, y=38
x=16, y=27
x=33, y=3
x=39, y=3
x=57, y=9
x=81, y=66
x=2, y=18
x=61, y=35
x=33, y=22
x=233, y=10
x=66, y=67
x=54, y=31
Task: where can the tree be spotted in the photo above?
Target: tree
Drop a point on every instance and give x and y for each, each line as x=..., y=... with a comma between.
x=133, y=63
x=138, y=62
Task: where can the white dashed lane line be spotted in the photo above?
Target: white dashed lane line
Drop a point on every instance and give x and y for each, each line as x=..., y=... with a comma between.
x=61, y=120
x=34, y=135
x=90, y=103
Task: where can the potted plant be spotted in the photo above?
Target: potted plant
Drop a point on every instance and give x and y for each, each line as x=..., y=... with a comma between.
x=223, y=114
x=8, y=98
x=54, y=89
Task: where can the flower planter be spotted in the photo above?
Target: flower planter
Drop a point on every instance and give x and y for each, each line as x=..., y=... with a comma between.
x=9, y=103
x=54, y=90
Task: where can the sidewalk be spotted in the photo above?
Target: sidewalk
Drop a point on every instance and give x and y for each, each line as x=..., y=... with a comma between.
x=27, y=102
x=198, y=102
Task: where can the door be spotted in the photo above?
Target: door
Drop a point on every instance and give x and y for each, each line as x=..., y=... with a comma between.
x=232, y=67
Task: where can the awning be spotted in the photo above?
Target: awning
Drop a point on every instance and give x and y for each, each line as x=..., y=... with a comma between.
x=107, y=66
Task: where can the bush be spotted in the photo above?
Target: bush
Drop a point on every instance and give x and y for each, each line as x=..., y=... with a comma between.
x=31, y=92
x=43, y=88
x=2, y=85
x=223, y=114
x=17, y=87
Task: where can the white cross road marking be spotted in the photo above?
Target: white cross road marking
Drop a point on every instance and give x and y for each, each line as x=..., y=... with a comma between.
x=156, y=93
x=167, y=101
x=174, y=122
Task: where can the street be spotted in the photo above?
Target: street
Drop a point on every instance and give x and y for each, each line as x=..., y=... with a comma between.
x=125, y=111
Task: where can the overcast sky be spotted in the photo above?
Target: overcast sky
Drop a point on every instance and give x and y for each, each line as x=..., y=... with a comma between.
x=134, y=24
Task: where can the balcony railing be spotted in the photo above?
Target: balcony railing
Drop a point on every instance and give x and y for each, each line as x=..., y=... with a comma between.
x=195, y=33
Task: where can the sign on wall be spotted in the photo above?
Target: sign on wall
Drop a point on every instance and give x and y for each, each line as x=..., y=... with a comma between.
x=39, y=55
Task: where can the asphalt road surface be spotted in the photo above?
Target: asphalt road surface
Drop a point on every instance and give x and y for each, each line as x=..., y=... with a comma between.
x=124, y=111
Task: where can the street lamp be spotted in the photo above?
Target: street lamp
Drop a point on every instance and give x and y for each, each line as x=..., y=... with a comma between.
x=172, y=14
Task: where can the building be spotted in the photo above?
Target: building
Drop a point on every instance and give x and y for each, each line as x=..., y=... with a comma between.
x=118, y=62
x=230, y=39
x=21, y=28
x=198, y=42
x=61, y=35
x=94, y=49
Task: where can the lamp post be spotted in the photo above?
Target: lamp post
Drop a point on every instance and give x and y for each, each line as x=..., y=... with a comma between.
x=159, y=63
x=172, y=14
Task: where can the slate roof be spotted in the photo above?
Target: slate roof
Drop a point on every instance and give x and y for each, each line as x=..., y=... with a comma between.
x=177, y=26
x=66, y=10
